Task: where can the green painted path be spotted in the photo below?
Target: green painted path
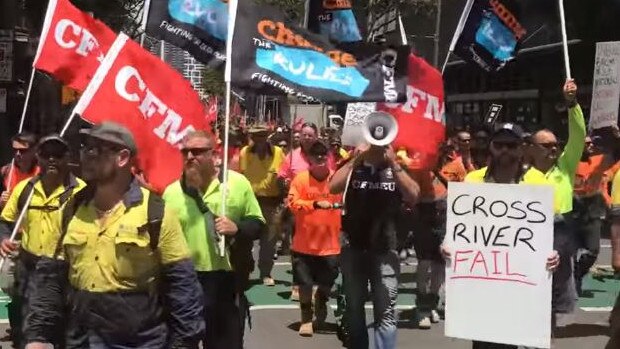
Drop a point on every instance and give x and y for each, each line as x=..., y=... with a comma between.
x=600, y=291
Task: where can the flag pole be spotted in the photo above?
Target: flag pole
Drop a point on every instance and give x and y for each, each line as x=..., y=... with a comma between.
x=403, y=34
x=224, y=184
x=457, y=33
x=162, y=53
x=24, y=209
x=564, y=40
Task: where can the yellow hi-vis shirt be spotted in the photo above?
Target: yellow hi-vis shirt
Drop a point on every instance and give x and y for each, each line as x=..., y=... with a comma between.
x=40, y=231
x=262, y=173
x=115, y=254
x=532, y=176
x=615, y=196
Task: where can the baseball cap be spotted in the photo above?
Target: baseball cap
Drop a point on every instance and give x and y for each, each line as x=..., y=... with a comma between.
x=259, y=131
x=113, y=133
x=508, y=129
x=53, y=138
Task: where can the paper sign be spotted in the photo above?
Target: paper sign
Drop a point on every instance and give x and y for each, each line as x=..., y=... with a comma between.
x=2, y=100
x=354, y=121
x=497, y=287
x=6, y=61
x=606, y=85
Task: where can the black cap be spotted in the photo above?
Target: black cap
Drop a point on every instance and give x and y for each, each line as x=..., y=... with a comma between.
x=509, y=129
x=113, y=133
x=53, y=138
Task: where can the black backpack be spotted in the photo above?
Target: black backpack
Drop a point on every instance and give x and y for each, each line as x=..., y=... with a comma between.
x=155, y=215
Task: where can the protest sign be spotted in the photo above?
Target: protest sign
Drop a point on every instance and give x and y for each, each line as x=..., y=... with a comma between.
x=2, y=100
x=498, y=289
x=605, y=85
x=6, y=61
x=354, y=121
x=269, y=51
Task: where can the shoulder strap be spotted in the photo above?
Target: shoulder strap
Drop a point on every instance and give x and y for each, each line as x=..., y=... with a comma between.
x=155, y=216
x=69, y=210
x=25, y=193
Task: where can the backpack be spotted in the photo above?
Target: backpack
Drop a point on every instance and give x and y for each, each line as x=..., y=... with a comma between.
x=25, y=194
x=154, y=209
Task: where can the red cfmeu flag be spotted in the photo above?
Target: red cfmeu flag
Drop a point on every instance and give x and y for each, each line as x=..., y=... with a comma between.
x=72, y=44
x=136, y=89
x=421, y=119
x=211, y=114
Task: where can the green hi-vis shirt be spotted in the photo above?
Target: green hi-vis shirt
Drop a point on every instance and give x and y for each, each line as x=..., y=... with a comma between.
x=240, y=204
x=562, y=175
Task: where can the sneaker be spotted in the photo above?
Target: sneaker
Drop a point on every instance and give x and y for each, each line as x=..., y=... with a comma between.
x=306, y=330
x=295, y=293
x=424, y=323
x=269, y=281
x=435, y=316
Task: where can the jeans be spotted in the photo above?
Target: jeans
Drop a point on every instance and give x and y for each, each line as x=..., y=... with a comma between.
x=564, y=294
x=269, y=238
x=382, y=271
x=588, y=216
x=222, y=310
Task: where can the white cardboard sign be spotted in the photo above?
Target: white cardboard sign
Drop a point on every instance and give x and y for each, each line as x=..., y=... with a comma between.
x=353, y=122
x=605, y=85
x=498, y=289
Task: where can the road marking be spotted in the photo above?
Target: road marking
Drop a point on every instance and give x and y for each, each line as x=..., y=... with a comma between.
x=413, y=264
x=597, y=309
x=333, y=306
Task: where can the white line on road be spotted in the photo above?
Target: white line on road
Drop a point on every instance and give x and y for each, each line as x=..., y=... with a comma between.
x=289, y=263
x=597, y=309
x=333, y=306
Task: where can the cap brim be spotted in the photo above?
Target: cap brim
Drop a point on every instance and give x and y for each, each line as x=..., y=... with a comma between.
x=46, y=140
x=88, y=133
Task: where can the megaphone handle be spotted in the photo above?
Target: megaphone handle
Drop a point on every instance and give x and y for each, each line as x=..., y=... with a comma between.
x=346, y=190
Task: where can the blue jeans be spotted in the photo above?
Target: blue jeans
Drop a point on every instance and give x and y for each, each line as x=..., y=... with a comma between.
x=382, y=271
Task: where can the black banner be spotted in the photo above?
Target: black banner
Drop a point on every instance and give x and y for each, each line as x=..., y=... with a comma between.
x=197, y=26
x=334, y=19
x=268, y=51
x=492, y=34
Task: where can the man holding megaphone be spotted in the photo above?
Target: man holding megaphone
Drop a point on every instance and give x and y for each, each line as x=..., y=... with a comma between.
x=374, y=186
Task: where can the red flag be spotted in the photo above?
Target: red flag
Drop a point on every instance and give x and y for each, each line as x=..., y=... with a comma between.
x=299, y=121
x=134, y=88
x=211, y=114
x=72, y=44
x=421, y=119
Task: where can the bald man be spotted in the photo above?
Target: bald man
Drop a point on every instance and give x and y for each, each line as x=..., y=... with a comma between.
x=560, y=168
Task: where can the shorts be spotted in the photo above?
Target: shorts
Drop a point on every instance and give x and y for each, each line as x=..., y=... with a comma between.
x=311, y=270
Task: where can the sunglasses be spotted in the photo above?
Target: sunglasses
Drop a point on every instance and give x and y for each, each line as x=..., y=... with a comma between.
x=52, y=153
x=195, y=151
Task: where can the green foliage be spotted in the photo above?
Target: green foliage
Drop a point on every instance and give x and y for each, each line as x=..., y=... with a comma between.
x=213, y=82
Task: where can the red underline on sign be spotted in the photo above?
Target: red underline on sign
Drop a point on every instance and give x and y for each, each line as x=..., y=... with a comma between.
x=492, y=279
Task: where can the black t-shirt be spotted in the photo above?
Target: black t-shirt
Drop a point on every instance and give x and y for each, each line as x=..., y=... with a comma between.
x=372, y=208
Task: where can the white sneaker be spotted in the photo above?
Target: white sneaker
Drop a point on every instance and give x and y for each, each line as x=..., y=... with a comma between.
x=435, y=318
x=425, y=323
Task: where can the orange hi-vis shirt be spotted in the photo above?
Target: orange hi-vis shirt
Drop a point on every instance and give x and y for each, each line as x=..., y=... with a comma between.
x=431, y=188
x=317, y=231
x=585, y=170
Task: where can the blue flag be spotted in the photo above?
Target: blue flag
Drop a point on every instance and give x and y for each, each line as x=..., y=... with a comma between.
x=492, y=34
x=334, y=19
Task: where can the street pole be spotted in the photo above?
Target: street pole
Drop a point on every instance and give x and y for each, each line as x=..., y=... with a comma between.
x=437, y=32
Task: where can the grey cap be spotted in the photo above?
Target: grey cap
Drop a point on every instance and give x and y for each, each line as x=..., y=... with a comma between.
x=53, y=138
x=113, y=133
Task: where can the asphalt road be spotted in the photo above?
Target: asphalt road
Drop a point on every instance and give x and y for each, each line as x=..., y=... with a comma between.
x=275, y=318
